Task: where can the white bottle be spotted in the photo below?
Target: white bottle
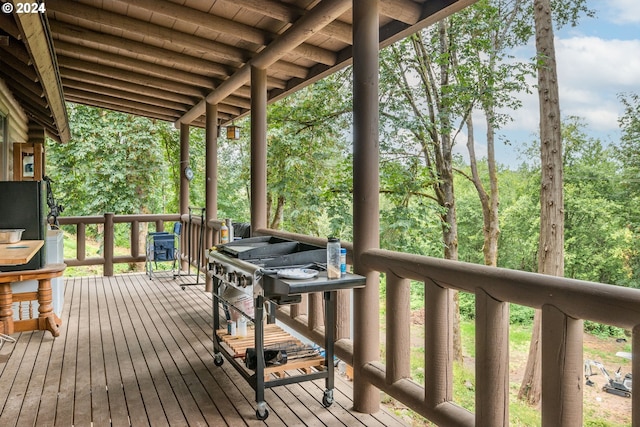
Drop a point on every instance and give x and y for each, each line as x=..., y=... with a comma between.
x=224, y=234
x=333, y=258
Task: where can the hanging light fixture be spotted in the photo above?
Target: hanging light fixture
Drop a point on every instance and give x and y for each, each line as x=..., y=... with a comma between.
x=233, y=132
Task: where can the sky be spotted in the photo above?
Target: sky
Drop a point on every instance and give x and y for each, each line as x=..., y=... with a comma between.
x=597, y=60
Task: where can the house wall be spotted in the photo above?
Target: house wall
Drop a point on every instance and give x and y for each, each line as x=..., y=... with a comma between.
x=13, y=128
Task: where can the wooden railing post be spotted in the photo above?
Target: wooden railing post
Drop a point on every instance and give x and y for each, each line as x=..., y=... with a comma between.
x=562, y=368
x=135, y=238
x=108, y=244
x=81, y=241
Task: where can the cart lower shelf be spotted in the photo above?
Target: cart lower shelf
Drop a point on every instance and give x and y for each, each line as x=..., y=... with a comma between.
x=274, y=337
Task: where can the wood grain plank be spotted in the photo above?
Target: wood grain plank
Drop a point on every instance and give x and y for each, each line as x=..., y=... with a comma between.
x=65, y=407
x=142, y=372
x=98, y=381
x=116, y=410
x=47, y=409
x=136, y=406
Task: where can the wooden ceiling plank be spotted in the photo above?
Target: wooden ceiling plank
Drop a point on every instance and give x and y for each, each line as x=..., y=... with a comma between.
x=19, y=51
x=136, y=26
x=156, y=109
x=118, y=107
x=9, y=26
x=119, y=93
x=39, y=45
x=100, y=84
x=140, y=79
x=18, y=65
x=117, y=61
x=27, y=89
x=135, y=49
x=310, y=23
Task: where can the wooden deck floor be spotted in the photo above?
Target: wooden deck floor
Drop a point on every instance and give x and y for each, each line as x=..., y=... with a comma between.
x=139, y=352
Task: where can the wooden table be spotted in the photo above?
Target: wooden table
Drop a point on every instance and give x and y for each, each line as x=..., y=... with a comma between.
x=19, y=253
x=47, y=319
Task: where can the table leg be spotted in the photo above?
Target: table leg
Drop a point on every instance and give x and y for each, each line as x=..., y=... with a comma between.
x=6, y=313
x=46, y=318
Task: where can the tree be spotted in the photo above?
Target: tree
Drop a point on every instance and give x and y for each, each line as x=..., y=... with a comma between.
x=112, y=164
x=551, y=244
x=307, y=150
x=485, y=32
x=629, y=156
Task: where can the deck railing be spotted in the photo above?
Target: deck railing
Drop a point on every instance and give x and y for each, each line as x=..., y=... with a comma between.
x=564, y=303
x=192, y=251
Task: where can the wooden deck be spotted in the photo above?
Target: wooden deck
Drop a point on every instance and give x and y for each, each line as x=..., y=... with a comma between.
x=139, y=352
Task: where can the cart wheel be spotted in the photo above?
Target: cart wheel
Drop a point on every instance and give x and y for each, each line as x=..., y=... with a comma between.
x=327, y=399
x=262, y=413
x=627, y=394
x=218, y=360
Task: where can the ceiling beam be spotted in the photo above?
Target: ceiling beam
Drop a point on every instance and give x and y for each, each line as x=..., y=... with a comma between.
x=18, y=65
x=224, y=26
x=130, y=64
x=317, y=18
x=74, y=78
x=39, y=44
x=134, y=49
x=151, y=109
x=122, y=94
x=198, y=46
x=289, y=13
x=9, y=26
x=129, y=76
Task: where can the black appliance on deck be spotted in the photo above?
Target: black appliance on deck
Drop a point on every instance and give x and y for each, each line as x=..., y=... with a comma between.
x=23, y=204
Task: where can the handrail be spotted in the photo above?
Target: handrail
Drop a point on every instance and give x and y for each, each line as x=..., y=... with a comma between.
x=108, y=220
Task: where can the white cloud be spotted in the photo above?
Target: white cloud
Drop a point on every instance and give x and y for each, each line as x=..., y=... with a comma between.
x=619, y=11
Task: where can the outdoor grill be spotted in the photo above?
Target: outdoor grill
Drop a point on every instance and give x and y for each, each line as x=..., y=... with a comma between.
x=246, y=275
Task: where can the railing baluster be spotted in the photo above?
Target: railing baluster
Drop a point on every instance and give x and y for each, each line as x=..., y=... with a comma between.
x=562, y=369
x=398, y=328
x=492, y=361
x=635, y=371
x=438, y=345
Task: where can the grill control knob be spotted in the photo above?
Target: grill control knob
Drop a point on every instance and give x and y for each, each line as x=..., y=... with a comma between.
x=244, y=281
x=231, y=277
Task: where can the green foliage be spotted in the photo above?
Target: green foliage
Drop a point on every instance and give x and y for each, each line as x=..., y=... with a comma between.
x=113, y=164
x=603, y=331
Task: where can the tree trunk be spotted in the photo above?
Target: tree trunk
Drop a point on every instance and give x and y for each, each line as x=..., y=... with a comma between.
x=551, y=245
x=488, y=201
x=278, y=214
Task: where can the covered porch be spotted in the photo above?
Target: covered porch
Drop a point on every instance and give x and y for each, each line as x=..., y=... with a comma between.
x=205, y=64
